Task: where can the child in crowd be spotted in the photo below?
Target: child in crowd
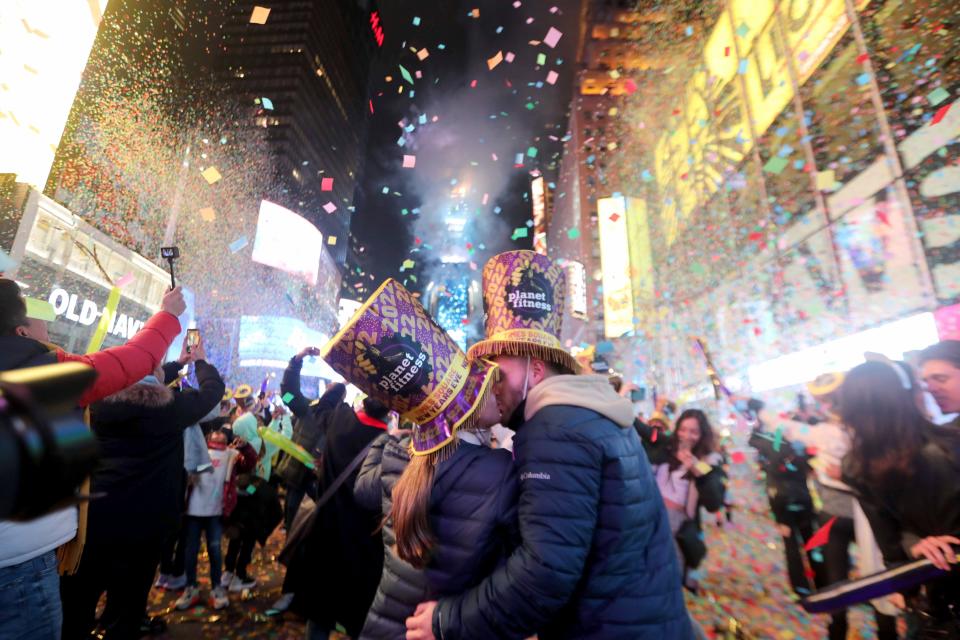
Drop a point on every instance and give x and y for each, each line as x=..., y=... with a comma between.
x=211, y=497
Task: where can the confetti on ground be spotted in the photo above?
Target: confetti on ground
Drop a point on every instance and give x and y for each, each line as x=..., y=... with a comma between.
x=238, y=244
x=208, y=214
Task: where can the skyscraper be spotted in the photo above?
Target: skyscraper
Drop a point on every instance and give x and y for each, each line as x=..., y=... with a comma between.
x=306, y=66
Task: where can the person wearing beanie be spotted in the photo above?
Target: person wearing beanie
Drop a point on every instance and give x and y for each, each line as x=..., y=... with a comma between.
x=596, y=559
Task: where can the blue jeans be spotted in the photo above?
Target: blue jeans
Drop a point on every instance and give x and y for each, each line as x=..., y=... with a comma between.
x=30, y=600
x=213, y=530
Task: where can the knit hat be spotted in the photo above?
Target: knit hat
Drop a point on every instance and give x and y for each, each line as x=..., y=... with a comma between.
x=395, y=352
x=523, y=296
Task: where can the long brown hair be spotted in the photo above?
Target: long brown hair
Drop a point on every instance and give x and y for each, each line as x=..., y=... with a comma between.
x=410, y=511
x=704, y=446
x=877, y=403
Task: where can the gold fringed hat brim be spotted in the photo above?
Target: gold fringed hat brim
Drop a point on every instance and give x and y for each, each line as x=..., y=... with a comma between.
x=468, y=422
x=554, y=355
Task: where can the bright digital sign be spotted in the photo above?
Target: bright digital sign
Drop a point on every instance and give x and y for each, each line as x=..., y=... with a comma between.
x=270, y=341
x=287, y=241
x=615, y=264
x=44, y=47
x=712, y=130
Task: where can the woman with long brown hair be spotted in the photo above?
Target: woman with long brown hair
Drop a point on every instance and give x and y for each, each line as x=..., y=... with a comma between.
x=448, y=499
x=905, y=471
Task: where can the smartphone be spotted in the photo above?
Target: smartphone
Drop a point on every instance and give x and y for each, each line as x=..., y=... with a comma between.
x=192, y=339
x=638, y=395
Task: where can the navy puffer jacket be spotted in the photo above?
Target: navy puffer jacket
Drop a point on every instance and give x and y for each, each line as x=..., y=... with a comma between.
x=597, y=558
x=473, y=517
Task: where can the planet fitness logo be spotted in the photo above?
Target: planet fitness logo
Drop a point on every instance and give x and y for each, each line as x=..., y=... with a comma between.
x=532, y=296
x=402, y=367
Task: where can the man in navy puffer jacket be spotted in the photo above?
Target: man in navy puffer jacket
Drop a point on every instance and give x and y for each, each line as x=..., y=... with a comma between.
x=597, y=557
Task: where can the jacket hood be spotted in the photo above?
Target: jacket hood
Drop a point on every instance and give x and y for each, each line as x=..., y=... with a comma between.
x=588, y=391
x=144, y=394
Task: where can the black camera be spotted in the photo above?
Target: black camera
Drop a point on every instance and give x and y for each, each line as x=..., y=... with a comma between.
x=46, y=450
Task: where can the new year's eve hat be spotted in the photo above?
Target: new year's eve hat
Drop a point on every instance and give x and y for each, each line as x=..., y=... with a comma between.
x=523, y=296
x=394, y=351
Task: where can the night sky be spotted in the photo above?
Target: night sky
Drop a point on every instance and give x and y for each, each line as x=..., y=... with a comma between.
x=505, y=114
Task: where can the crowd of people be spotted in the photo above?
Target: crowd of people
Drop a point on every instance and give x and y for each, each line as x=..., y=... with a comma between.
x=497, y=493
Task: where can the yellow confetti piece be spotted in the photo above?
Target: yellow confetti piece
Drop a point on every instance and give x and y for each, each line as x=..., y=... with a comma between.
x=495, y=60
x=826, y=180
x=40, y=310
x=211, y=175
x=259, y=15
x=423, y=54
x=208, y=214
x=96, y=340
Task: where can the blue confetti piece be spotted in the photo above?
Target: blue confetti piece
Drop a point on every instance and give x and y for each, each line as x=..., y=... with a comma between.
x=863, y=78
x=267, y=103
x=238, y=244
x=416, y=21
x=742, y=69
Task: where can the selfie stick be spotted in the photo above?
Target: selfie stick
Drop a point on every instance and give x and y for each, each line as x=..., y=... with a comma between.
x=173, y=281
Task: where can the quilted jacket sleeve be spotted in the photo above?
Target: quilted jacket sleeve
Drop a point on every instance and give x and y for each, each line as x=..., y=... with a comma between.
x=119, y=367
x=367, y=491
x=560, y=475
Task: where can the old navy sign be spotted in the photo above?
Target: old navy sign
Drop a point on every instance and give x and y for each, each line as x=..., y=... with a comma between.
x=86, y=312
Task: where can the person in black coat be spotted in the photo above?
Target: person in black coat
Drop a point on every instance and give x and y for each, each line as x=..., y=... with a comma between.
x=308, y=432
x=905, y=470
x=470, y=505
x=336, y=569
x=140, y=433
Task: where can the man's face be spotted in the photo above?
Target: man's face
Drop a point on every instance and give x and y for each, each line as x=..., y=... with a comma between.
x=509, y=390
x=36, y=329
x=943, y=381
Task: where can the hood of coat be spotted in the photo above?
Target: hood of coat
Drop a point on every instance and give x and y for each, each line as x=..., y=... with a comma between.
x=588, y=391
x=144, y=394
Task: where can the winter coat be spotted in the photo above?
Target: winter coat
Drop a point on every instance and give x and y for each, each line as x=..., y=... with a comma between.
x=309, y=429
x=787, y=468
x=597, y=559
x=896, y=511
x=140, y=433
x=344, y=544
x=402, y=586
x=473, y=518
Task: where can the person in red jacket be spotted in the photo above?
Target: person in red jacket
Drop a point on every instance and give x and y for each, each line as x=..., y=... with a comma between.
x=24, y=343
x=28, y=550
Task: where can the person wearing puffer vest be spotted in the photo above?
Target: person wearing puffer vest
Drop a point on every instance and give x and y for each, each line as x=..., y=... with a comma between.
x=596, y=559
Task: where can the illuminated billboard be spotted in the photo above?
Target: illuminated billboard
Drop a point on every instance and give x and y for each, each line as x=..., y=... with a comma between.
x=712, y=130
x=615, y=264
x=287, y=241
x=270, y=341
x=576, y=289
x=45, y=45
x=539, y=198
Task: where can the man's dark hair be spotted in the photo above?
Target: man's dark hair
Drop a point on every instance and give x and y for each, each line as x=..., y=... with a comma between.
x=946, y=350
x=13, y=310
x=375, y=409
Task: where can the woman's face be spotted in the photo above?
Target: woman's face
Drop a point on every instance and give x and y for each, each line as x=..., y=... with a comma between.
x=688, y=433
x=489, y=412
